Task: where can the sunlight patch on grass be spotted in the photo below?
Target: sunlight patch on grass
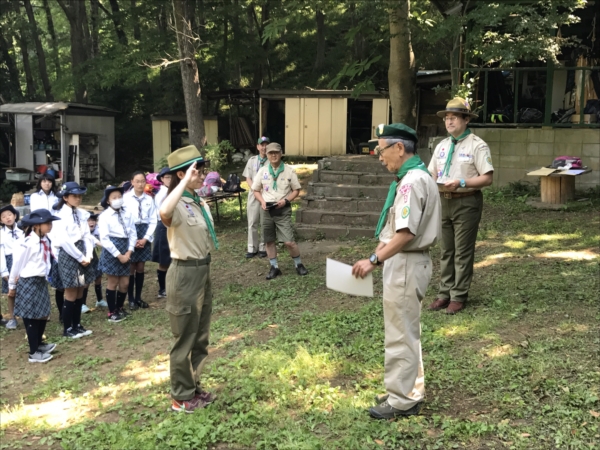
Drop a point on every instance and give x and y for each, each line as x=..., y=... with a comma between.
x=515, y=244
x=587, y=255
x=57, y=413
x=493, y=259
x=547, y=237
x=456, y=330
x=306, y=367
x=500, y=351
x=146, y=376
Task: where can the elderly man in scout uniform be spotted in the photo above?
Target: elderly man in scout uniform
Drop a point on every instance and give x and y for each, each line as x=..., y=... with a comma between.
x=461, y=165
x=275, y=186
x=255, y=246
x=409, y=224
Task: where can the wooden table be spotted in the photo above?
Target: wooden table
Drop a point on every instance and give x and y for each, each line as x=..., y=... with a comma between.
x=558, y=189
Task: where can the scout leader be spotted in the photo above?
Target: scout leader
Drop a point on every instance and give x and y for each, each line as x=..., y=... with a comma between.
x=409, y=224
x=461, y=164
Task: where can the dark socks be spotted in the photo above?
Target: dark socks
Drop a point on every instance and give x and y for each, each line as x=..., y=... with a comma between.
x=84, y=298
x=130, y=288
x=41, y=329
x=77, y=312
x=67, y=315
x=60, y=299
x=139, y=284
x=32, y=330
x=111, y=299
x=98, y=289
x=121, y=299
x=162, y=275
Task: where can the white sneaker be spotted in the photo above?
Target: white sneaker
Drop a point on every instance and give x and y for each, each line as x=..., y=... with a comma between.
x=101, y=304
x=84, y=309
x=39, y=357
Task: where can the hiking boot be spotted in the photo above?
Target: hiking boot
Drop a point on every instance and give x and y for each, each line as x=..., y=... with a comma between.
x=39, y=357
x=46, y=348
x=72, y=334
x=387, y=411
x=12, y=324
x=274, y=272
x=133, y=306
x=440, y=303
x=85, y=309
x=262, y=254
x=101, y=304
x=187, y=406
x=206, y=397
x=251, y=255
x=454, y=307
x=116, y=317
x=142, y=304
x=161, y=294
x=82, y=331
x=301, y=270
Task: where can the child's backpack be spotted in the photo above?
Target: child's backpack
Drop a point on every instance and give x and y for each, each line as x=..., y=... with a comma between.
x=233, y=184
x=562, y=161
x=212, y=183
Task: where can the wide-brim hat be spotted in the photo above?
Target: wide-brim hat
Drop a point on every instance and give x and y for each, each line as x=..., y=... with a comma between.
x=457, y=105
x=12, y=209
x=396, y=131
x=162, y=173
x=71, y=188
x=107, y=192
x=182, y=158
x=38, y=217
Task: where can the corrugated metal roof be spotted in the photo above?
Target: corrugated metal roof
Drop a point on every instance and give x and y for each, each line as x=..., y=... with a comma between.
x=49, y=108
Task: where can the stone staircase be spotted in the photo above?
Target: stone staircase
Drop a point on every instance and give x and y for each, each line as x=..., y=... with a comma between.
x=344, y=199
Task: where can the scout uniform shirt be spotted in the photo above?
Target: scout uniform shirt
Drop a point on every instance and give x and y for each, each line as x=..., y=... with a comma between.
x=471, y=158
x=192, y=239
x=287, y=181
x=416, y=207
x=253, y=166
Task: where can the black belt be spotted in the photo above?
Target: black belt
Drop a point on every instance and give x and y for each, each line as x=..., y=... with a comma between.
x=192, y=262
x=447, y=194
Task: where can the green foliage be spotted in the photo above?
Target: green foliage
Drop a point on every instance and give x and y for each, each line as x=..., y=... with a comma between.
x=218, y=154
x=7, y=189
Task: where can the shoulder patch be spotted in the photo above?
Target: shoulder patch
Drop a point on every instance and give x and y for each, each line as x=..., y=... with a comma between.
x=405, y=212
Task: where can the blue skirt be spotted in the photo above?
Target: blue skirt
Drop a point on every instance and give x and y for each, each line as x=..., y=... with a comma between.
x=161, y=253
x=96, y=264
x=9, y=261
x=32, y=300
x=142, y=254
x=111, y=265
x=73, y=274
x=54, y=277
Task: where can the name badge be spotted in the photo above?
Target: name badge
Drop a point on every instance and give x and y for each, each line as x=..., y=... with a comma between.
x=190, y=210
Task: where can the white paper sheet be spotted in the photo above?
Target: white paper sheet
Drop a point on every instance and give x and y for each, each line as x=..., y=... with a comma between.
x=339, y=278
x=573, y=172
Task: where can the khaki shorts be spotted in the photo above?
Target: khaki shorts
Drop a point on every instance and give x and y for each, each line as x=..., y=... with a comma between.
x=277, y=227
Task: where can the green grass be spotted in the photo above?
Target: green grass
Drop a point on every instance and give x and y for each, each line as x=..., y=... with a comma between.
x=295, y=366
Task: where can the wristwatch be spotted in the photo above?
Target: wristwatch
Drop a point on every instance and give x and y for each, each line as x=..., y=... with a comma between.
x=463, y=183
x=374, y=259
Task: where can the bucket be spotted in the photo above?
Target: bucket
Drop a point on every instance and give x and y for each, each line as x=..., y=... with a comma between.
x=41, y=169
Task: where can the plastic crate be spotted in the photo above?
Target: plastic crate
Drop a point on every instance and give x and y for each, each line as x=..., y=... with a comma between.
x=18, y=176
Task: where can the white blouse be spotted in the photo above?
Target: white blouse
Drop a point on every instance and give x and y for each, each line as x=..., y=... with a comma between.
x=32, y=259
x=3, y=268
x=159, y=198
x=142, y=210
x=67, y=231
x=110, y=225
x=40, y=200
x=10, y=237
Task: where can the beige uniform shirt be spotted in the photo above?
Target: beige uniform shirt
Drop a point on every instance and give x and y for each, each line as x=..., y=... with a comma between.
x=252, y=167
x=188, y=234
x=416, y=207
x=470, y=159
x=287, y=181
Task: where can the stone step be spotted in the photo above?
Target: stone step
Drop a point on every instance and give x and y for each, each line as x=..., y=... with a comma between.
x=347, y=190
x=343, y=177
x=305, y=231
x=319, y=216
x=343, y=204
x=353, y=163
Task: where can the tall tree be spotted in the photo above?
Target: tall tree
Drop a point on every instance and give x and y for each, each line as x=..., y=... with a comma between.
x=137, y=33
x=95, y=28
x=53, y=40
x=116, y=18
x=189, y=72
x=11, y=88
x=402, y=72
x=320, y=59
x=39, y=50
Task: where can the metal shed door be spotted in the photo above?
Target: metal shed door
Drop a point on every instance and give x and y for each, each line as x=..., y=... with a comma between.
x=381, y=114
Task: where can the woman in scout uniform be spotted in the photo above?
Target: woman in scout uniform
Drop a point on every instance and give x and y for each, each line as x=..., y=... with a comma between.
x=191, y=238
x=9, y=235
x=27, y=282
x=141, y=206
x=160, y=250
x=408, y=226
x=256, y=245
x=75, y=253
x=118, y=237
x=44, y=196
x=462, y=165
x=275, y=186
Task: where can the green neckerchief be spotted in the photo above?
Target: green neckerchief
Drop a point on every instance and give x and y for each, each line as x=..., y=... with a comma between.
x=451, y=151
x=262, y=161
x=412, y=163
x=275, y=174
x=196, y=198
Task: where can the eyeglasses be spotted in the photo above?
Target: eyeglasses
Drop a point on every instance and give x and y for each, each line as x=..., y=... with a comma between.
x=450, y=119
x=381, y=150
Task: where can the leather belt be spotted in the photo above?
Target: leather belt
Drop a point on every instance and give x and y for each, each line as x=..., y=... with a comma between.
x=448, y=195
x=192, y=262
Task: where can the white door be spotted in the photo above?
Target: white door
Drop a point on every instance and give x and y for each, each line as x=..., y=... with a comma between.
x=24, y=141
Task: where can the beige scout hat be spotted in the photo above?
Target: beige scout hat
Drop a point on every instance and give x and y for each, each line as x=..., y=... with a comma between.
x=457, y=105
x=273, y=147
x=183, y=157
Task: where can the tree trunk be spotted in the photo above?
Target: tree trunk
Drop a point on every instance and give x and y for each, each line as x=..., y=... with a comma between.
x=39, y=50
x=402, y=74
x=116, y=18
x=55, y=57
x=320, y=60
x=189, y=74
x=237, y=38
x=12, y=89
x=137, y=33
x=223, y=62
x=95, y=31
x=31, y=91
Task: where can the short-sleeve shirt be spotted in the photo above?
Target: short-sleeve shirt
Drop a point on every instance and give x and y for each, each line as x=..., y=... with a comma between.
x=287, y=181
x=471, y=158
x=416, y=207
x=188, y=234
x=253, y=166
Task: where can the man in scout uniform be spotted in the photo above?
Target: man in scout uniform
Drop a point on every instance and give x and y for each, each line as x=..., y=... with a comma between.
x=461, y=165
x=409, y=224
x=275, y=186
x=255, y=246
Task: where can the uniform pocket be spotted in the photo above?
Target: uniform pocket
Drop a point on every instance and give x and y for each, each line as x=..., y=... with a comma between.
x=192, y=221
x=394, y=271
x=178, y=303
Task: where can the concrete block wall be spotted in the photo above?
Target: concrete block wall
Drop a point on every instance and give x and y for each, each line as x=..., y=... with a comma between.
x=518, y=151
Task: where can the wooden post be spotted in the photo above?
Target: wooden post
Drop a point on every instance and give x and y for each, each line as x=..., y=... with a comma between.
x=558, y=190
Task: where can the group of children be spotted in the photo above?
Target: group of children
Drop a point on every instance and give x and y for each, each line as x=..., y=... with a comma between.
x=57, y=242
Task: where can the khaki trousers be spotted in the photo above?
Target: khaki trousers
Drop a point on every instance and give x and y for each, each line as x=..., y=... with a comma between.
x=405, y=280
x=189, y=304
x=460, y=224
x=253, y=208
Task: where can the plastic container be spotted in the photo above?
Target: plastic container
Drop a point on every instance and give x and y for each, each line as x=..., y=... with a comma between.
x=18, y=176
x=41, y=169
